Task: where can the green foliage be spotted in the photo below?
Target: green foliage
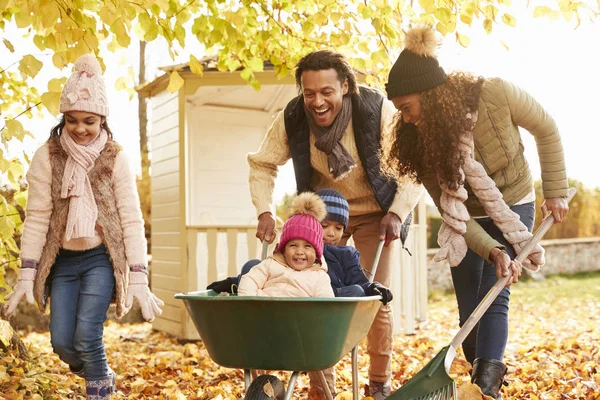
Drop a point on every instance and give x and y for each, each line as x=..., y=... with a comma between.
x=285, y=206
x=583, y=219
x=12, y=214
x=242, y=33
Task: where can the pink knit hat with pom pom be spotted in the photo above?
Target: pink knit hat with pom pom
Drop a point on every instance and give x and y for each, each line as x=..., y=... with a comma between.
x=308, y=211
x=85, y=90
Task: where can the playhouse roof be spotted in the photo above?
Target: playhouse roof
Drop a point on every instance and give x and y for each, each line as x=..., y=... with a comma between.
x=209, y=64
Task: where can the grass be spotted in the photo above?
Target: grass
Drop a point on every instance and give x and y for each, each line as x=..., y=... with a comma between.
x=580, y=285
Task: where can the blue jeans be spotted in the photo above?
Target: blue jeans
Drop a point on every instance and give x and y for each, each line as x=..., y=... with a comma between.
x=81, y=288
x=472, y=279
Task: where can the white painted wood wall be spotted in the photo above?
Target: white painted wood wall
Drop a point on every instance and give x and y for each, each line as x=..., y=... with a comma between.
x=167, y=268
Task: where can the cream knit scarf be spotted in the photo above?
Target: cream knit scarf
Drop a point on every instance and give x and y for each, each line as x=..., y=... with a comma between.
x=83, y=211
x=453, y=246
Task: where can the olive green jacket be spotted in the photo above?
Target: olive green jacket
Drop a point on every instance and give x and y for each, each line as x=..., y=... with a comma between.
x=503, y=108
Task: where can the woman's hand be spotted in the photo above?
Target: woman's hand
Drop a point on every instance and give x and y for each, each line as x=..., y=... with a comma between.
x=505, y=266
x=558, y=206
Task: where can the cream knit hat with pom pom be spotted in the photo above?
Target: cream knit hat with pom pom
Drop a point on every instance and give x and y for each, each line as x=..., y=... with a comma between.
x=85, y=89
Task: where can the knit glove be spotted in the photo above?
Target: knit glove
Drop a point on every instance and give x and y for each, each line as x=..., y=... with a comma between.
x=227, y=285
x=138, y=288
x=24, y=287
x=377, y=289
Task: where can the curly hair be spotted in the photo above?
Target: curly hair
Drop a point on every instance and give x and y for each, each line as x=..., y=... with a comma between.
x=432, y=147
x=327, y=59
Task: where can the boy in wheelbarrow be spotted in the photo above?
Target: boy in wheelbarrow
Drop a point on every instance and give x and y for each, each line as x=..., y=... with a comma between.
x=343, y=267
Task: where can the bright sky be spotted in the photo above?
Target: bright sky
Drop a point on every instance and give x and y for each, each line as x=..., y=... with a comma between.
x=555, y=63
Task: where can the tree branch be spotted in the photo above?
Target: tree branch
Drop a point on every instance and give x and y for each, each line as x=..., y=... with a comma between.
x=33, y=106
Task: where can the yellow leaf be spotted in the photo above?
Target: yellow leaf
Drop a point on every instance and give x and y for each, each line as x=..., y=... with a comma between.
x=122, y=83
x=463, y=40
x=59, y=60
x=7, y=227
x=469, y=391
x=467, y=19
x=23, y=18
x=509, y=20
x=256, y=64
x=195, y=66
x=6, y=333
x=428, y=6
x=175, y=82
x=13, y=128
x=21, y=199
x=151, y=34
x=51, y=100
x=487, y=25
x=9, y=45
x=541, y=11
x=443, y=14
x=268, y=390
x=308, y=28
x=56, y=84
x=17, y=168
x=29, y=65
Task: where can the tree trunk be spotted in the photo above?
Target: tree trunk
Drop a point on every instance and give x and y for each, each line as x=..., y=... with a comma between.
x=143, y=117
x=144, y=183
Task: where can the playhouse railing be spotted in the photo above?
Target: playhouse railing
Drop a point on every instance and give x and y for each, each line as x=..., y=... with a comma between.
x=215, y=252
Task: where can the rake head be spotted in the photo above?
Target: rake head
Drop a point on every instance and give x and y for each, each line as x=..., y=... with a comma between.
x=431, y=383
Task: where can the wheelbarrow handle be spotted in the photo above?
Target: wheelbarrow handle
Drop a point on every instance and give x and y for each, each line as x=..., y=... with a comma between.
x=376, y=260
x=265, y=249
x=497, y=288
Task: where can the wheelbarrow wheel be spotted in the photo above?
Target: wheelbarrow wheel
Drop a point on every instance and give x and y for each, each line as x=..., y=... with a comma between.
x=266, y=387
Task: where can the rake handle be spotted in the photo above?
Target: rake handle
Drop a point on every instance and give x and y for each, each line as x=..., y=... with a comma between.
x=376, y=260
x=497, y=288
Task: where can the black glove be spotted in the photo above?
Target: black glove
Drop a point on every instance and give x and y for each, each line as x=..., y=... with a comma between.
x=226, y=285
x=377, y=289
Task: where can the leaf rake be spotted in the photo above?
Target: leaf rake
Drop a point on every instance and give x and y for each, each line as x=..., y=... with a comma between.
x=434, y=382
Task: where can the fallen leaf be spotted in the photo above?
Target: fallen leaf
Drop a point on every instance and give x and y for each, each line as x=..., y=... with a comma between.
x=346, y=396
x=268, y=390
x=469, y=391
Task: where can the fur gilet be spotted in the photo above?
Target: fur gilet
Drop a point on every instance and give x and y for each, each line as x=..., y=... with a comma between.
x=109, y=223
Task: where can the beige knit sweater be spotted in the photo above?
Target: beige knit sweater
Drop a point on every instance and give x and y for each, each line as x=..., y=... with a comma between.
x=39, y=211
x=274, y=152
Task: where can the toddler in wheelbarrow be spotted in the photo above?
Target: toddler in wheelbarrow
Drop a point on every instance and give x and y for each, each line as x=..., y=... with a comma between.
x=344, y=276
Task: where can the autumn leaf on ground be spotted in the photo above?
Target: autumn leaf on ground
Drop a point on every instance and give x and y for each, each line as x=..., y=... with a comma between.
x=268, y=390
x=470, y=391
x=552, y=349
x=346, y=396
x=460, y=367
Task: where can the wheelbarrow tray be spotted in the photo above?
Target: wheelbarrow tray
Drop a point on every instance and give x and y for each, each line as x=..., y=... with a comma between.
x=279, y=333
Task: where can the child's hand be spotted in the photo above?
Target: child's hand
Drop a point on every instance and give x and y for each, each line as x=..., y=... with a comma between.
x=224, y=286
x=138, y=289
x=23, y=288
x=377, y=289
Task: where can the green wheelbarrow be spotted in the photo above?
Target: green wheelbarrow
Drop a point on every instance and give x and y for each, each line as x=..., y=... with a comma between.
x=276, y=333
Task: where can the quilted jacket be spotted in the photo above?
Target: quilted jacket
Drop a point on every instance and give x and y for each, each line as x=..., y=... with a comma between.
x=503, y=108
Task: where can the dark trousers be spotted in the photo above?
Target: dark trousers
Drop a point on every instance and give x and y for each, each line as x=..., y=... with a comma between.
x=472, y=279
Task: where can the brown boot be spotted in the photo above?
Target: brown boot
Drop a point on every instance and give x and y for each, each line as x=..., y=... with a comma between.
x=488, y=374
